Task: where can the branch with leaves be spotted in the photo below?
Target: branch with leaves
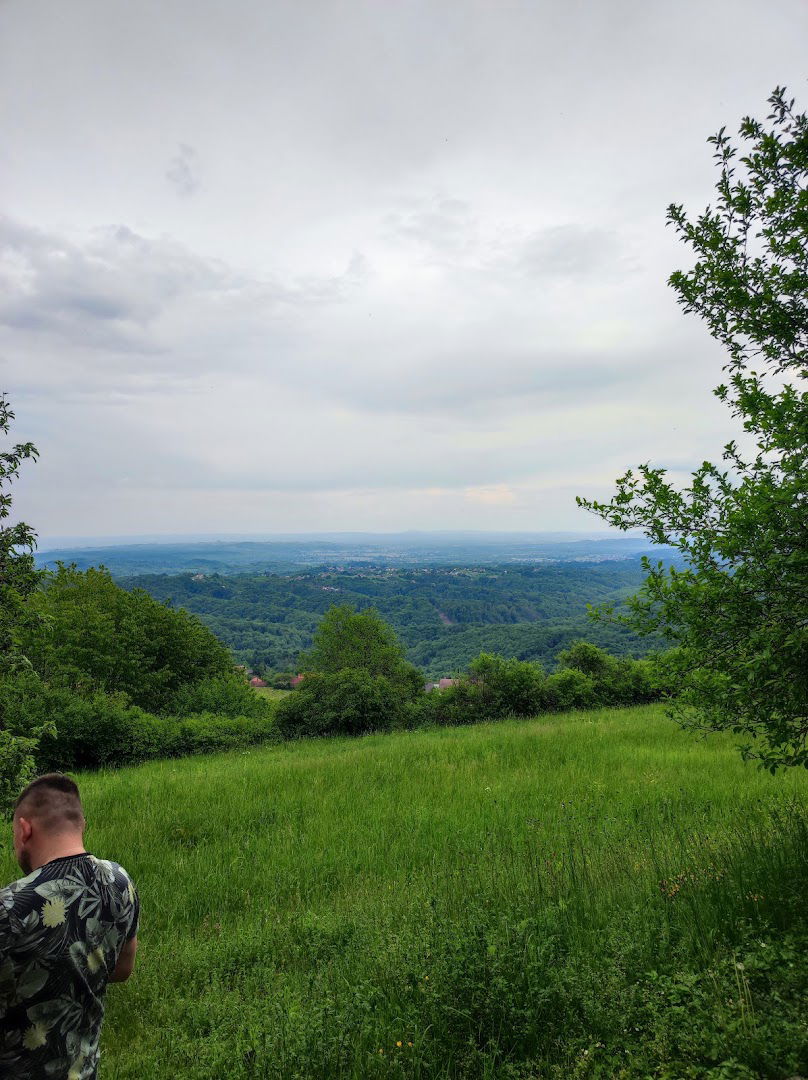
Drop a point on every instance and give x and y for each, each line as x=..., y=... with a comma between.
x=736, y=612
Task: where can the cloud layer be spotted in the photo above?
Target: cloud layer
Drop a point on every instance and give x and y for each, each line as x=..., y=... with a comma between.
x=350, y=267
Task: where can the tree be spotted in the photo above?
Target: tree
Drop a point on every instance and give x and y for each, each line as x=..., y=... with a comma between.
x=18, y=579
x=588, y=658
x=346, y=702
x=506, y=687
x=18, y=574
x=360, y=641
x=94, y=636
x=738, y=609
x=615, y=680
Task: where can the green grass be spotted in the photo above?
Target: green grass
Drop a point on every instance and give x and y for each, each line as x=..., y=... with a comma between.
x=271, y=693
x=588, y=895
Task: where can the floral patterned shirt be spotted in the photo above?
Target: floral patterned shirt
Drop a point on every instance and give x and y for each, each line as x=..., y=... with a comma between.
x=62, y=929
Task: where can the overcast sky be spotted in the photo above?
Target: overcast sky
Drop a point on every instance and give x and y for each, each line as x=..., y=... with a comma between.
x=371, y=264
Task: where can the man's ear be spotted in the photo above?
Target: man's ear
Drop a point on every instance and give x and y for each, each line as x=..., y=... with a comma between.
x=25, y=829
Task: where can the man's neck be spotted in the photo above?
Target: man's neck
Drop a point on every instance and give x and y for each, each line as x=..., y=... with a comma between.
x=60, y=847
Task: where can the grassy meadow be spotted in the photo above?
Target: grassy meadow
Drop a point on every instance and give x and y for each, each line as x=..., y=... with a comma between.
x=271, y=693
x=593, y=894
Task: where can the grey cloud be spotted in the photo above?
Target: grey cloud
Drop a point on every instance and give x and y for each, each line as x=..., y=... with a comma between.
x=571, y=251
x=368, y=244
x=188, y=318
x=441, y=224
x=448, y=232
x=183, y=171
x=106, y=292
x=123, y=449
x=481, y=384
x=126, y=293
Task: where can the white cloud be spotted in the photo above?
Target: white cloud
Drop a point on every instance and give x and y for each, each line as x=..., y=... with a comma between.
x=183, y=171
x=349, y=266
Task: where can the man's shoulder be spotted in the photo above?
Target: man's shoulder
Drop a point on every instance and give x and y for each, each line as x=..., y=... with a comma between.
x=110, y=871
x=19, y=903
x=10, y=893
x=117, y=882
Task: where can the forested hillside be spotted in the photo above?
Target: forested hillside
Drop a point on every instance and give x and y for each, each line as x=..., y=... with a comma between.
x=445, y=616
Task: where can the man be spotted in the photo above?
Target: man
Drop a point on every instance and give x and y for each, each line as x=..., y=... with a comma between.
x=66, y=929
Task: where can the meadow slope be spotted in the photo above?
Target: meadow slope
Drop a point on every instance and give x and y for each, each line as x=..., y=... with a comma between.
x=586, y=895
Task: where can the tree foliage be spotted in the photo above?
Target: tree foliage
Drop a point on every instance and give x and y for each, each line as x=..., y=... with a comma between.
x=93, y=636
x=495, y=687
x=443, y=616
x=360, y=641
x=738, y=610
x=351, y=701
x=18, y=579
x=18, y=575
x=356, y=678
x=506, y=687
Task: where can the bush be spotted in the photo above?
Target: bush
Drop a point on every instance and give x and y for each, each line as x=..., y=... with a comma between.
x=281, y=680
x=507, y=687
x=568, y=689
x=105, y=730
x=588, y=658
x=637, y=682
x=494, y=688
x=17, y=768
x=458, y=704
x=225, y=695
x=205, y=733
x=622, y=681
x=348, y=702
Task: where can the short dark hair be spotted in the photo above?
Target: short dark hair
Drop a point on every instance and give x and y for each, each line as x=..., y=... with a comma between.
x=54, y=799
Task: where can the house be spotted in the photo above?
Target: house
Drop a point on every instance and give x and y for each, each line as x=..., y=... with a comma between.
x=257, y=683
x=296, y=680
x=441, y=684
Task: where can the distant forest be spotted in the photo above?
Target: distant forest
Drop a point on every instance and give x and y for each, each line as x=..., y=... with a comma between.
x=351, y=550
x=444, y=615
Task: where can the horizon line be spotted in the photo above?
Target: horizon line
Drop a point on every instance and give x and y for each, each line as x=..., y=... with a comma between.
x=59, y=542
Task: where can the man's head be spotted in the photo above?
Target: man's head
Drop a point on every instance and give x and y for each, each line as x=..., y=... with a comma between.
x=47, y=814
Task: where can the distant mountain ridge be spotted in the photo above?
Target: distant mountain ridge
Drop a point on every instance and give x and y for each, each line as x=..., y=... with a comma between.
x=285, y=554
